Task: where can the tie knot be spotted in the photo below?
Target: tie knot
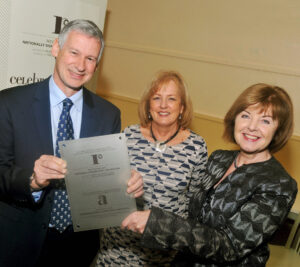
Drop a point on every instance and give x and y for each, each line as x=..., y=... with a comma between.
x=67, y=104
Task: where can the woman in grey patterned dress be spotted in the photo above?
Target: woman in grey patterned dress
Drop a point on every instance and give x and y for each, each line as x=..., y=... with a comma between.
x=171, y=159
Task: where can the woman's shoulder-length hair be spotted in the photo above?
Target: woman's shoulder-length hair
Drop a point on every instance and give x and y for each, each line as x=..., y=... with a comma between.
x=267, y=96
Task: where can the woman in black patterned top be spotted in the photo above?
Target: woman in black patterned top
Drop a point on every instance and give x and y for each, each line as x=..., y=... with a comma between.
x=171, y=159
x=245, y=196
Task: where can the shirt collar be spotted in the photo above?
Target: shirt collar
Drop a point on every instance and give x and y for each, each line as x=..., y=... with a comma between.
x=57, y=96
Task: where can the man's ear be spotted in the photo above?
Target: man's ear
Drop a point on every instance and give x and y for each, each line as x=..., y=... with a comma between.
x=55, y=48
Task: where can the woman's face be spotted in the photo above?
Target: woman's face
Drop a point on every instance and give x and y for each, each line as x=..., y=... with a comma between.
x=254, y=129
x=165, y=105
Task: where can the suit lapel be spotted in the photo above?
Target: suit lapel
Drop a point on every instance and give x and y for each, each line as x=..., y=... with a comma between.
x=88, y=121
x=41, y=111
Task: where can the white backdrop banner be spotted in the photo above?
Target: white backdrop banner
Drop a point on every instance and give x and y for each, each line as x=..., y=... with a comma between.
x=28, y=29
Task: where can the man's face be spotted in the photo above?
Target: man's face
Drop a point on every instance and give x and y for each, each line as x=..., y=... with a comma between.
x=76, y=61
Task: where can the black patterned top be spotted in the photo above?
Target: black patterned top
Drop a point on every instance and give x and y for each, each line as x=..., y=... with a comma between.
x=170, y=178
x=231, y=224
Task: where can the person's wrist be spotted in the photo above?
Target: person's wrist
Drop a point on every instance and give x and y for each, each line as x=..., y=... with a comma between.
x=34, y=184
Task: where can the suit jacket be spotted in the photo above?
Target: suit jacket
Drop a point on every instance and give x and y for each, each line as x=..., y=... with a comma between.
x=25, y=135
x=229, y=225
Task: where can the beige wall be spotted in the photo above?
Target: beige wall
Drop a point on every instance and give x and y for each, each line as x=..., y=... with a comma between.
x=220, y=47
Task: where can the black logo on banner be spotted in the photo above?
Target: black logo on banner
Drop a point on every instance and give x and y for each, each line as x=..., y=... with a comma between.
x=60, y=22
x=96, y=158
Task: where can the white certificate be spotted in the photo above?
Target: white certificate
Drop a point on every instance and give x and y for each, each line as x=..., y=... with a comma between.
x=96, y=182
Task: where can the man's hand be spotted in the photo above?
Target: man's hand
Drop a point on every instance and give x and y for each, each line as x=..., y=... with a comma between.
x=136, y=221
x=135, y=184
x=46, y=168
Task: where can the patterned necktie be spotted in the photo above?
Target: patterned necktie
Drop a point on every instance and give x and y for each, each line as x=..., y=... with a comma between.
x=60, y=214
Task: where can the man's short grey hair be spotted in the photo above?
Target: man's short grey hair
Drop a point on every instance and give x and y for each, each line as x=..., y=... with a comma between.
x=84, y=26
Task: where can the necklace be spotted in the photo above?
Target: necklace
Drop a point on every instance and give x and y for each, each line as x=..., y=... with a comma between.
x=161, y=146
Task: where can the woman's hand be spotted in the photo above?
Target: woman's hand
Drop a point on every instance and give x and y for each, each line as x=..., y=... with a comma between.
x=135, y=184
x=136, y=221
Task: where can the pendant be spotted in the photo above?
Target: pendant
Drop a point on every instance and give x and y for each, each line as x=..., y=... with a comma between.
x=160, y=147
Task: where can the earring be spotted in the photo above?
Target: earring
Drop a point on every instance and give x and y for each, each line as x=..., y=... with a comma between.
x=179, y=118
x=149, y=116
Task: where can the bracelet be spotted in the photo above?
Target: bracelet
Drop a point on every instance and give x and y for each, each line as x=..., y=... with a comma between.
x=32, y=178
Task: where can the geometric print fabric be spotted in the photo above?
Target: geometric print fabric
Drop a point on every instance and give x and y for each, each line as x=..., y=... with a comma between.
x=169, y=179
x=60, y=214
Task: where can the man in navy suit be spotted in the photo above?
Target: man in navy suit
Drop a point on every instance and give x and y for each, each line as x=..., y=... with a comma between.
x=28, y=124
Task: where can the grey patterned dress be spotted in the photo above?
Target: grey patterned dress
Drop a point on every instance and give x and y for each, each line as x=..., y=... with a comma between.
x=170, y=178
